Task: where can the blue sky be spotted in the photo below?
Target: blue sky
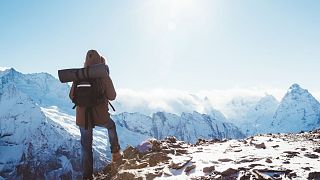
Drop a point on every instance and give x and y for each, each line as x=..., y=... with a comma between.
x=188, y=45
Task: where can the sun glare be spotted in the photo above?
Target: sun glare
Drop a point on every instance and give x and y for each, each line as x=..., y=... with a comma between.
x=167, y=14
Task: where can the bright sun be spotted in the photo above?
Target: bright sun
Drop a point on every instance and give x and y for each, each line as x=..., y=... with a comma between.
x=167, y=14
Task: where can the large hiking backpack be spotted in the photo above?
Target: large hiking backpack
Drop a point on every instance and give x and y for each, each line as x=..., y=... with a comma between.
x=88, y=93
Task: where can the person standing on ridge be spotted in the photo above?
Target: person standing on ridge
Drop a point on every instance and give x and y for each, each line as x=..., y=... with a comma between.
x=97, y=116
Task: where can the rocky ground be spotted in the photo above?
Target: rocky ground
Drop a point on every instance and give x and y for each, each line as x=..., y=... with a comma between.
x=270, y=156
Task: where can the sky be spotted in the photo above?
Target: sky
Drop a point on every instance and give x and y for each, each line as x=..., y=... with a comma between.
x=188, y=45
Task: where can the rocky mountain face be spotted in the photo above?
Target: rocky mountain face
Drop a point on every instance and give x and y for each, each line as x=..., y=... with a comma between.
x=270, y=156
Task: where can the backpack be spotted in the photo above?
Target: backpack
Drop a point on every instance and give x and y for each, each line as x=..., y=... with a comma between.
x=88, y=93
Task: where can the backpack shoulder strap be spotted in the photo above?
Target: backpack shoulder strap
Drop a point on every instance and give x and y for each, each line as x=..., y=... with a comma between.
x=74, y=92
x=112, y=106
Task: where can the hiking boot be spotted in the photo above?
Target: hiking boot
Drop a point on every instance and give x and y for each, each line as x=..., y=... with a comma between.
x=116, y=157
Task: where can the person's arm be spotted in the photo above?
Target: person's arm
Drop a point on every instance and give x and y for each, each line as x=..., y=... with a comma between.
x=110, y=91
x=71, y=91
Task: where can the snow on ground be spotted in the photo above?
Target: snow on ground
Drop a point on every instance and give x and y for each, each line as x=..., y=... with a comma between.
x=274, y=156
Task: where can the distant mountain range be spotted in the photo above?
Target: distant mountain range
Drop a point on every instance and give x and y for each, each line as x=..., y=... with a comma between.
x=297, y=111
x=39, y=138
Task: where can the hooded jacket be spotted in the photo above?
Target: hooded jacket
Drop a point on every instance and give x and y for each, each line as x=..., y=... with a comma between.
x=100, y=112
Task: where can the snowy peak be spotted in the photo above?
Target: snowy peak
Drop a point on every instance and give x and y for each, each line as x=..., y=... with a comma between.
x=295, y=88
x=299, y=98
x=298, y=110
x=42, y=88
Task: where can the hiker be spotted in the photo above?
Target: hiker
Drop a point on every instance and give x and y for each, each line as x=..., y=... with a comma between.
x=98, y=115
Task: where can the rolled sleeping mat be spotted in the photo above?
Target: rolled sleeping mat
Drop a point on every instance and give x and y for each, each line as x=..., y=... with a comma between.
x=78, y=74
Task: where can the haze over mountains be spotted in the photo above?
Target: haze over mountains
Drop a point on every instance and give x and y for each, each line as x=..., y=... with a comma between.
x=38, y=135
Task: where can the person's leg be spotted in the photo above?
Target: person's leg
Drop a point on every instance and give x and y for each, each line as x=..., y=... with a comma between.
x=86, y=153
x=113, y=136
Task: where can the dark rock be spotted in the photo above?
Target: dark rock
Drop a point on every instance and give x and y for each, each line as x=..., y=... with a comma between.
x=127, y=175
x=156, y=145
x=215, y=162
x=212, y=141
x=254, y=165
x=306, y=168
x=314, y=175
x=225, y=160
x=248, y=160
x=168, y=151
x=200, y=141
x=260, y=146
x=268, y=160
x=316, y=150
x=153, y=175
x=131, y=153
x=132, y=164
x=180, y=164
x=243, y=175
x=182, y=151
x=155, y=158
x=292, y=175
x=208, y=170
x=189, y=168
x=291, y=154
x=286, y=162
x=312, y=156
x=229, y=172
x=171, y=139
x=237, y=150
x=275, y=146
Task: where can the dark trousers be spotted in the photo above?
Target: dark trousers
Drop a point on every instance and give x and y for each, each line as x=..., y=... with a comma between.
x=86, y=147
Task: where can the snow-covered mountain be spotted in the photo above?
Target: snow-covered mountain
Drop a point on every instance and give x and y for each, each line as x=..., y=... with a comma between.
x=188, y=127
x=298, y=111
x=39, y=138
x=252, y=114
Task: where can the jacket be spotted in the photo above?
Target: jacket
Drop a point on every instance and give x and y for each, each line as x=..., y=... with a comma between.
x=100, y=112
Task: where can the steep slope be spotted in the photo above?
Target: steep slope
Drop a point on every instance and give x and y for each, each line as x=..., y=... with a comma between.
x=298, y=111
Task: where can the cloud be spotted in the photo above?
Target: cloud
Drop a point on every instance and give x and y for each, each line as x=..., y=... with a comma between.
x=176, y=101
x=3, y=68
